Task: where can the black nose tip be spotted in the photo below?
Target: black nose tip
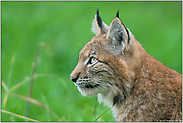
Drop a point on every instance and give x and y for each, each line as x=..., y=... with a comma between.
x=74, y=79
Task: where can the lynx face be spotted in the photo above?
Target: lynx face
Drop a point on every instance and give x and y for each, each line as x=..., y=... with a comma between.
x=102, y=64
x=92, y=74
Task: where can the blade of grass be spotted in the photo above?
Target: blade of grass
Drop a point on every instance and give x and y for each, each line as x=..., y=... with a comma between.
x=47, y=107
x=19, y=84
x=5, y=100
x=101, y=115
x=20, y=116
x=37, y=76
x=15, y=106
x=32, y=80
x=11, y=68
x=28, y=99
x=6, y=95
x=36, y=103
x=95, y=108
x=54, y=76
x=8, y=82
x=4, y=86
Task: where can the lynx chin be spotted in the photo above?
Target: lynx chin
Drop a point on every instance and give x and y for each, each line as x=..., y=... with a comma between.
x=114, y=66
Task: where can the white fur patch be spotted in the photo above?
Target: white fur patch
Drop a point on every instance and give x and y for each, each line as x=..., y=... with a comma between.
x=89, y=91
x=106, y=99
x=95, y=28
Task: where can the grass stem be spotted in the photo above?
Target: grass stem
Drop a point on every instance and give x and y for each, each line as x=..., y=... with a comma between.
x=101, y=115
x=11, y=68
x=20, y=116
x=6, y=94
x=32, y=81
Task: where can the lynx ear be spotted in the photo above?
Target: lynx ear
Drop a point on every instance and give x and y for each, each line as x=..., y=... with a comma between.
x=98, y=26
x=118, y=34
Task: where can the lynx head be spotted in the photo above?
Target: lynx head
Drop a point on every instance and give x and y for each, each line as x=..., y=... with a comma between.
x=105, y=66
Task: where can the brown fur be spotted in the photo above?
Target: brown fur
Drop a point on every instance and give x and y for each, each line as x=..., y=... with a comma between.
x=156, y=96
x=134, y=84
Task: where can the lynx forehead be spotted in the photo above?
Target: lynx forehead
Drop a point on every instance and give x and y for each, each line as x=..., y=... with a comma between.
x=114, y=66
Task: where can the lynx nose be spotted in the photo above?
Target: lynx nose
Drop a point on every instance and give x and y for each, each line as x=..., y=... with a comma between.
x=74, y=79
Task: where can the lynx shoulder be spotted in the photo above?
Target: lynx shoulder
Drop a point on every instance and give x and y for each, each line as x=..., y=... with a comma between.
x=114, y=66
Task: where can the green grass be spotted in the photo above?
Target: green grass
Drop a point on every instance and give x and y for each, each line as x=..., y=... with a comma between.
x=60, y=30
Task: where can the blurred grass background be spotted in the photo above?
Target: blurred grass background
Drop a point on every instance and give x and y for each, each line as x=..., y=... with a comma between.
x=60, y=30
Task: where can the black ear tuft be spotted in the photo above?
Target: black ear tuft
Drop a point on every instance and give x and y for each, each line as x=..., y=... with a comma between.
x=117, y=14
x=97, y=12
x=99, y=20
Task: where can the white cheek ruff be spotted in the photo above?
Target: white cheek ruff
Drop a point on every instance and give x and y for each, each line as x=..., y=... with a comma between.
x=107, y=99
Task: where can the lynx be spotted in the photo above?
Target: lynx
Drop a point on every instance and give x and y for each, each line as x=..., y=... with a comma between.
x=115, y=66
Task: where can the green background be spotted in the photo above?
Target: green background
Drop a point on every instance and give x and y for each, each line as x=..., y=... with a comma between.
x=63, y=28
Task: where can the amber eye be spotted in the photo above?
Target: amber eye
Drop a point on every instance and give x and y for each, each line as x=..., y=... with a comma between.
x=92, y=60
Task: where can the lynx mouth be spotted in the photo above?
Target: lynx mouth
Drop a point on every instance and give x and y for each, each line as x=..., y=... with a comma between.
x=87, y=85
x=91, y=86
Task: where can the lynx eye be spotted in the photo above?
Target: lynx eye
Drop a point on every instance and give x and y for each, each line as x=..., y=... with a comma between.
x=92, y=60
